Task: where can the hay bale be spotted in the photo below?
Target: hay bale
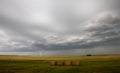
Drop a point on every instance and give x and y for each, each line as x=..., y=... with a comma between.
x=53, y=63
x=77, y=63
x=60, y=63
x=68, y=63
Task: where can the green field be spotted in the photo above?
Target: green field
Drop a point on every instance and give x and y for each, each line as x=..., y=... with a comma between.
x=35, y=64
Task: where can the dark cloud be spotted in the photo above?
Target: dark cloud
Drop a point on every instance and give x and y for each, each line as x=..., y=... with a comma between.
x=105, y=34
x=57, y=26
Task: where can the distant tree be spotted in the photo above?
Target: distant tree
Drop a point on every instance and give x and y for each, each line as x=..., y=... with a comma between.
x=88, y=55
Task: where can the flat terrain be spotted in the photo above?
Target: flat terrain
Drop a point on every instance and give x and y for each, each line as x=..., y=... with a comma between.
x=35, y=64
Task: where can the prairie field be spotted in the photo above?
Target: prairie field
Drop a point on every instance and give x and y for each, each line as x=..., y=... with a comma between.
x=37, y=64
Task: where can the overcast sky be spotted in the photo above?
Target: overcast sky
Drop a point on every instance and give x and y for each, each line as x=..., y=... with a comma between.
x=59, y=27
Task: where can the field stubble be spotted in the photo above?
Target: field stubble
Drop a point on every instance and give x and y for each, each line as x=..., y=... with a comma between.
x=35, y=64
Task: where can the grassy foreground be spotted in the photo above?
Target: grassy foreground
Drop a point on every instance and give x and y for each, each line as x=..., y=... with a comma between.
x=35, y=64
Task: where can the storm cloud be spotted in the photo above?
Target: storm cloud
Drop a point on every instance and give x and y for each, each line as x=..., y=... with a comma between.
x=62, y=27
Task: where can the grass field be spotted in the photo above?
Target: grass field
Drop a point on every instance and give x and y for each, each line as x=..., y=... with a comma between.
x=35, y=64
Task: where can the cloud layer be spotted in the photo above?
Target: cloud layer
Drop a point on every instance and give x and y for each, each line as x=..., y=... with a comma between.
x=54, y=28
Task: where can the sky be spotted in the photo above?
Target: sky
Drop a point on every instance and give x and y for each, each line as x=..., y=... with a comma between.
x=59, y=27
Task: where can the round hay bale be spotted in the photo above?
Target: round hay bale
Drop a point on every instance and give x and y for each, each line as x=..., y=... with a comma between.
x=53, y=63
x=68, y=63
x=77, y=63
x=60, y=63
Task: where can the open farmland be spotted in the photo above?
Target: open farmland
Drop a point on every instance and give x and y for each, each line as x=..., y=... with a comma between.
x=36, y=64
